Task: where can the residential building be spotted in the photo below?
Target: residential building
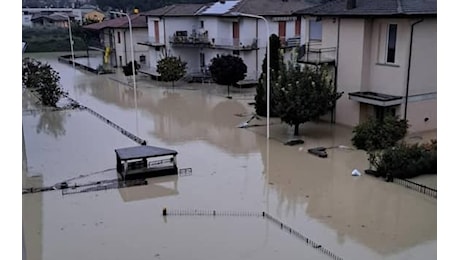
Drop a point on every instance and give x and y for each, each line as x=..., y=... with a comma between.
x=115, y=40
x=383, y=53
x=30, y=13
x=56, y=20
x=199, y=32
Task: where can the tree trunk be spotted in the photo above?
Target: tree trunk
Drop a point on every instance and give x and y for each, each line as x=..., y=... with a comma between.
x=296, y=129
x=228, y=90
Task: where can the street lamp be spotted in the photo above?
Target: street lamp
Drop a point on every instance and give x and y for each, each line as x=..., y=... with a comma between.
x=132, y=49
x=70, y=39
x=132, y=60
x=268, y=63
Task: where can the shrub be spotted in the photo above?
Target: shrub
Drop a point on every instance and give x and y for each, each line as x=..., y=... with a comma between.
x=408, y=161
x=43, y=79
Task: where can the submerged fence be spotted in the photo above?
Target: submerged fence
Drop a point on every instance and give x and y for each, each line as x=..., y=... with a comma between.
x=265, y=215
x=112, y=124
x=103, y=185
x=417, y=187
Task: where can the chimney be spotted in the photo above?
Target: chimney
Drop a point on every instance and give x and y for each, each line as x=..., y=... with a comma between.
x=351, y=4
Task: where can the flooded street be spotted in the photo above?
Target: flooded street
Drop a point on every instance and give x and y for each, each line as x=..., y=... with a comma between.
x=233, y=170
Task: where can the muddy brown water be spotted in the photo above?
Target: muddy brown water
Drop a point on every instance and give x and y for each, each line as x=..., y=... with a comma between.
x=233, y=170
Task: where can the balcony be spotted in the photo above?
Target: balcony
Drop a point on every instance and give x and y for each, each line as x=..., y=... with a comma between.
x=315, y=54
x=152, y=42
x=290, y=42
x=241, y=44
x=181, y=38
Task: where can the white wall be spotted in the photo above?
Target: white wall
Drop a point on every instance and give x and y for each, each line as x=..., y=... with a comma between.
x=423, y=75
x=123, y=48
x=389, y=78
x=350, y=66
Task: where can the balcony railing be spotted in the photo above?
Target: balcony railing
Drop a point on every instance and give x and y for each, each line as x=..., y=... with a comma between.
x=183, y=38
x=240, y=44
x=290, y=42
x=316, y=54
x=151, y=41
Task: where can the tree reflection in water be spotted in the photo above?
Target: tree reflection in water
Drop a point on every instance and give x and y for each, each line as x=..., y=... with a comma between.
x=52, y=123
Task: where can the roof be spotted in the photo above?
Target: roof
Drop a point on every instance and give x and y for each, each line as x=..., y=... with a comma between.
x=257, y=7
x=143, y=151
x=53, y=17
x=176, y=10
x=274, y=7
x=374, y=8
x=137, y=21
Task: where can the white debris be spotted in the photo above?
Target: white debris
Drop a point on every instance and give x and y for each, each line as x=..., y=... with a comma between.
x=355, y=172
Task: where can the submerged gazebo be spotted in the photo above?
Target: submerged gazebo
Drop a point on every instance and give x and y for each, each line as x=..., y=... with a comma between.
x=145, y=161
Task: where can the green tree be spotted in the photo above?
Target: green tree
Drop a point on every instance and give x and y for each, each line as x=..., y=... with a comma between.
x=275, y=60
x=374, y=135
x=171, y=69
x=303, y=94
x=43, y=79
x=227, y=70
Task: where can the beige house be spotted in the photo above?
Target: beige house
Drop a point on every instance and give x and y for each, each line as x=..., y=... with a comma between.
x=383, y=53
x=114, y=35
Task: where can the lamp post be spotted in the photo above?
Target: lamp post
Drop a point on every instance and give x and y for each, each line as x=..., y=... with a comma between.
x=132, y=61
x=70, y=39
x=132, y=48
x=268, y=63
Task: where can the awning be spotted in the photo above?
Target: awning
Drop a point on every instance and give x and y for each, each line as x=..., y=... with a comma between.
x=376, y=99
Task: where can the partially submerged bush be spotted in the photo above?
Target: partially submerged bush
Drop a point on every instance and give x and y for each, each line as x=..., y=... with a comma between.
x=375, y=135
x=43, y=79
x=408, y=161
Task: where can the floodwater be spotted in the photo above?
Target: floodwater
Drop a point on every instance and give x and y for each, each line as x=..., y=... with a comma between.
x=233, y=170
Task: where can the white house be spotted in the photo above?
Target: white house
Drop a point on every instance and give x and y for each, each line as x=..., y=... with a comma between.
x=116, y=43
x=384, y=56
x=199, y=32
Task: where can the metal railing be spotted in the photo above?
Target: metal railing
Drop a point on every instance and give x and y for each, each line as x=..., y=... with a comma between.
x=315, y=54
x=263, y=214
x=417, y=187
x=151, y=41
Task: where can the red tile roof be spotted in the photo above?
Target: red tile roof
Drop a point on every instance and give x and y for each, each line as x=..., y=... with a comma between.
x=137, y=21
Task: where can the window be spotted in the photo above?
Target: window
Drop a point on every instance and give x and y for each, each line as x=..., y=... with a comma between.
x=391, y=43
x=201, y=24
x=118, y=37
x=315, y=30
x=297, y=27
x=142, y=59
x=156, y=29
x=202, y=59
x=282, y=31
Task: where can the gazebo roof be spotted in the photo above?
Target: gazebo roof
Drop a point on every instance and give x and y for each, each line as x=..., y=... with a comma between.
x=143, y=151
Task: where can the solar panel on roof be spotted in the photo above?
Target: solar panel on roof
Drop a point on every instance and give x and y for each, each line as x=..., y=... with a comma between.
x=221, y=8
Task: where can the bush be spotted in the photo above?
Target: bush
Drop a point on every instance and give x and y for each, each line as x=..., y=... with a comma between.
x=43, y=79
x=408, y=161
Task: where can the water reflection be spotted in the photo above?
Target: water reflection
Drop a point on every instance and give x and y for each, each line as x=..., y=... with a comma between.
x=177, y=118
x=156, y=187
x=52, y=123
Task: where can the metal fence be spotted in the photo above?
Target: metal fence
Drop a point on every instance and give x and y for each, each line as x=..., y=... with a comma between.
x=283, y=226
x=417, y=187
x=112, y=124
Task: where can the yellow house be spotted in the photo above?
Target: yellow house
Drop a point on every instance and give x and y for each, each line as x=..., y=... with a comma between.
x=94, y=16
